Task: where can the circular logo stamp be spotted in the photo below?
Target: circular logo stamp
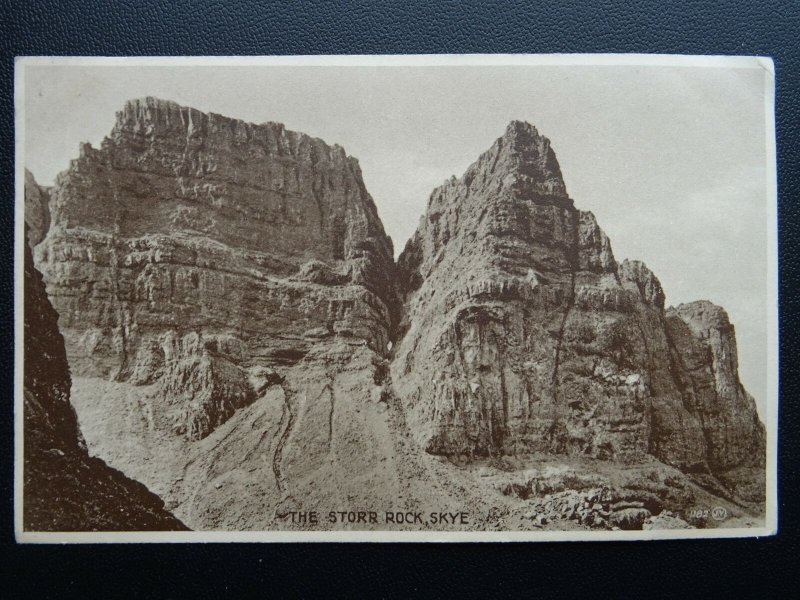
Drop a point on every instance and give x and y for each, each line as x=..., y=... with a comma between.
x=719, y=513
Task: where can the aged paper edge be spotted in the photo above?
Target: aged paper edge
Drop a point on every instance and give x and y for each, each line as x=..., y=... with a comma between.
x=428, y=60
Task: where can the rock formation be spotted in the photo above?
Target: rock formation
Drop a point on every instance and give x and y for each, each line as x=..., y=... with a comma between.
x=37, y=209
x=524, y=334
x=243, y=343
x=188, y=231
x=65, y=489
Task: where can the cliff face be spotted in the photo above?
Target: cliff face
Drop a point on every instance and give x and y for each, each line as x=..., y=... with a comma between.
x=37, y=209
x=186, y=232
x=707, y=373
x=524, y=334
x=64, y=488
x=228, y=297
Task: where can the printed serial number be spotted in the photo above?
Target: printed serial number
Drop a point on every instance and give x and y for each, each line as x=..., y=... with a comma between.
x=718, y=513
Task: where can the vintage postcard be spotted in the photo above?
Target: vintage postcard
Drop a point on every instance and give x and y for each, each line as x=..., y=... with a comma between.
x=395, y=298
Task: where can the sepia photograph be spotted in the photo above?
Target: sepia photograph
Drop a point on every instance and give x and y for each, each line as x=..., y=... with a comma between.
x=395, y=298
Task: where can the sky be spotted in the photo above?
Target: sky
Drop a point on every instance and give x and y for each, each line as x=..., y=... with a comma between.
x=671, y=160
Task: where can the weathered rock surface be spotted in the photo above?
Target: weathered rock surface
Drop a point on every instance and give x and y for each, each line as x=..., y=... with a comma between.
x=522, y=333
x=244, y=344
x=186, y=227
x=37, y=209
x=65, y=489
x=707, y=373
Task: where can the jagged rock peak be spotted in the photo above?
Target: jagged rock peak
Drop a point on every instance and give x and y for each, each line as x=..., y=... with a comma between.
x=228, y=169
x=523, y=135
x=523, y=334
x=703, y=311
x=637, y=273
x=522, y=161
x=155, y=116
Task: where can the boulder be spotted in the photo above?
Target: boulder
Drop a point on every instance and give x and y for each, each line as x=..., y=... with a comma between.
x=629, y=518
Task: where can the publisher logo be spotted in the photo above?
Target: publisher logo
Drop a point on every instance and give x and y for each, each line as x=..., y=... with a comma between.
x=719, y=513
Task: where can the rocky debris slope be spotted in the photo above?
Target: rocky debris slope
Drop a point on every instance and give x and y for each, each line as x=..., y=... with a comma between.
x=194, y=247
x=522, y=333
x=64, y=488
x=636, y=497
x=37, y=209
x=324, y=435
x=597, y=509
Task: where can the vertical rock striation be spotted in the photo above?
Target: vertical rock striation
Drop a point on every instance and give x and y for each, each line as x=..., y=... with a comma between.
x=707, y=373
x=64, y=488
x=522, y=333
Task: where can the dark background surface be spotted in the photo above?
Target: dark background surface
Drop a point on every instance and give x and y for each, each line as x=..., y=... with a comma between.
x=178, y=27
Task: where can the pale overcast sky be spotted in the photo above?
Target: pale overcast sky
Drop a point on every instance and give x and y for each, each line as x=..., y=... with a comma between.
x=670, y=159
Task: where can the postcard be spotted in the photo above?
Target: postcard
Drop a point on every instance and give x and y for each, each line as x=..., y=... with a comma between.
x=395, y=298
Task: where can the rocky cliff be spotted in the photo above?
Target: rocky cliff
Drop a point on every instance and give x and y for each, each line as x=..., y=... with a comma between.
x=65, y=489
x=243, y=343
x=37, y=209
x=524, y=334
x=194, y=246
